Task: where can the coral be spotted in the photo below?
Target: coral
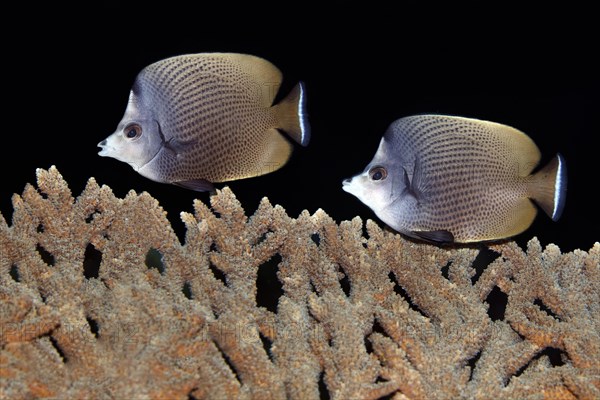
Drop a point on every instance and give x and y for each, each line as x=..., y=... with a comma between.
x=99, y=299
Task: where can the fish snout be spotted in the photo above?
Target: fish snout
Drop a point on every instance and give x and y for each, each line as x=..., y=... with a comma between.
x=103, y=148
x=347, y=185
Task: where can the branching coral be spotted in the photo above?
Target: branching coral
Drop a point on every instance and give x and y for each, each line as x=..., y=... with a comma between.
x=100, y=300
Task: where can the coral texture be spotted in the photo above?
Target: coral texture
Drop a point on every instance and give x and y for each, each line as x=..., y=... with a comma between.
x=99, y=299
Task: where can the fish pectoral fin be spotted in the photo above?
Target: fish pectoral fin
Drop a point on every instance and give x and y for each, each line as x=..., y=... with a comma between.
x=441, y=236
x=407, y=183
x=415, y=186
x=199, y=185
x=176, y=146
x=418, y=183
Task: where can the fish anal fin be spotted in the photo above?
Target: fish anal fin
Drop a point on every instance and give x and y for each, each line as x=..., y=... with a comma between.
x=274, y=153
x=519, y=218
x=278, y=153
x=291, y=115
x=439, y=236
x=198, y=185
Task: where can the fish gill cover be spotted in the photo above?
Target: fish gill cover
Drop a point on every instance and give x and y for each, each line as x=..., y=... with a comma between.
x=99, y=299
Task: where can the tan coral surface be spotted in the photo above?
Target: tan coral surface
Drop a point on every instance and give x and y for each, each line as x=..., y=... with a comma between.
x=358, y=315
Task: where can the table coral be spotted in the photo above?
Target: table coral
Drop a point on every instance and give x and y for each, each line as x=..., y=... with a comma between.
x=99, y=299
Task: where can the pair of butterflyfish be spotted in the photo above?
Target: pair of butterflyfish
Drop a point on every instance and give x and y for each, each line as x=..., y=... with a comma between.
x=194, y=120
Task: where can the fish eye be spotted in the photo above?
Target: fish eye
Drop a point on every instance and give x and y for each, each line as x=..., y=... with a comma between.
x=377, y=173
x=133, y=131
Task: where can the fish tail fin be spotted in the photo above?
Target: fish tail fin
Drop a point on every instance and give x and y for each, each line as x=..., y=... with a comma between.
x=549, y=187
x=291, y=115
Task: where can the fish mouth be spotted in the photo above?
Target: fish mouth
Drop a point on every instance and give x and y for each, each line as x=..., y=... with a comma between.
x=108, y=151
x=346, y=185
x=104, y=150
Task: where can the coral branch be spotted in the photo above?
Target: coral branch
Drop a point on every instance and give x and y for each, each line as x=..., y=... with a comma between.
x=357, y=315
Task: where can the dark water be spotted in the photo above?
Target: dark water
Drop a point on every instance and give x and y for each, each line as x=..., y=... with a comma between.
x=68, y=80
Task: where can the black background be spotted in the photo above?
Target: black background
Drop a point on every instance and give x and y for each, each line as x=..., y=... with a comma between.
x=67, y=75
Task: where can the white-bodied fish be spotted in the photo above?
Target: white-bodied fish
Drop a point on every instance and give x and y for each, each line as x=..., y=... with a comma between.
x=453, y=179
x=196, y=119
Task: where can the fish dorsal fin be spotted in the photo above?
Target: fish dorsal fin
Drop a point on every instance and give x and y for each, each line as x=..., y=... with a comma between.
x=266, y=77
x=525, y=152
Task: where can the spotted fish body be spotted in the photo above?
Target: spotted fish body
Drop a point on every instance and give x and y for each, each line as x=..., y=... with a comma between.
x=453, y=179
x=196, y=119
